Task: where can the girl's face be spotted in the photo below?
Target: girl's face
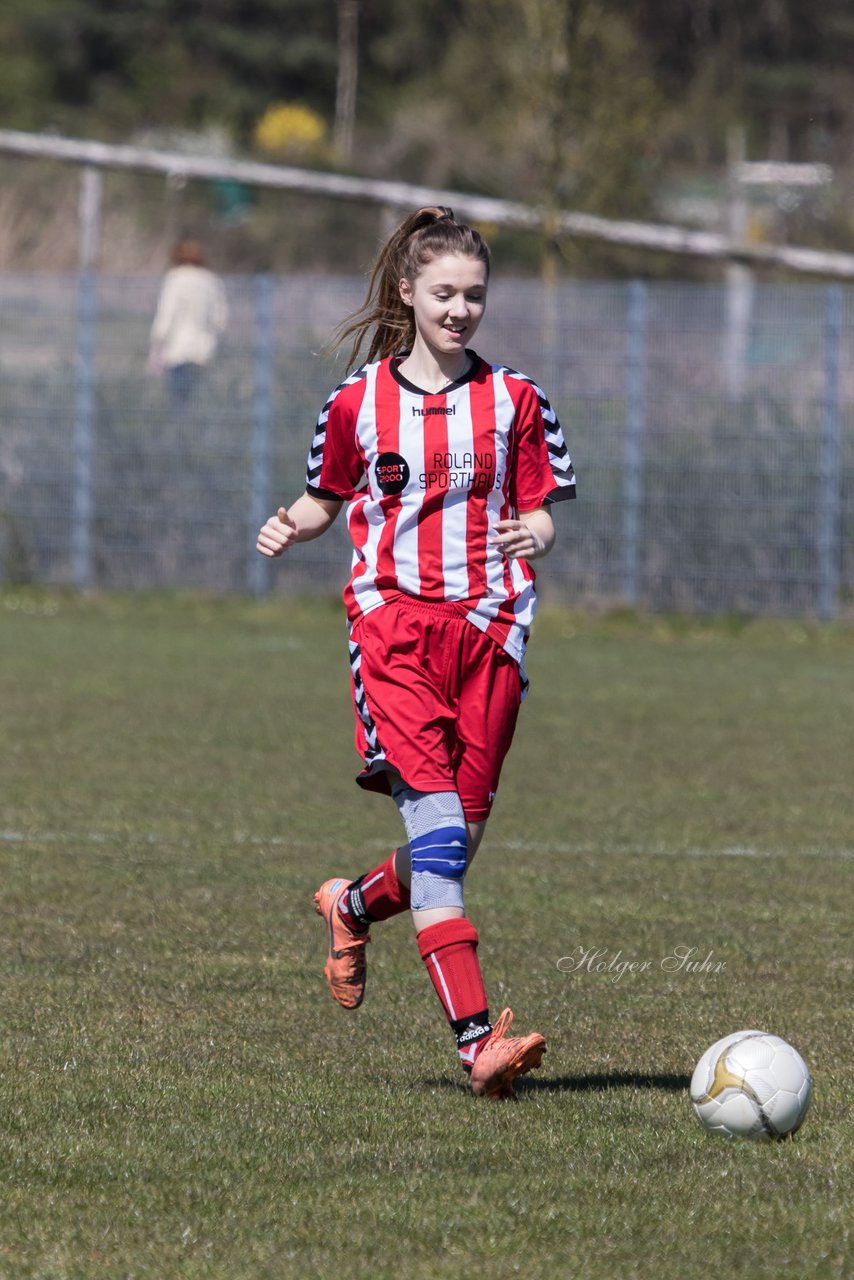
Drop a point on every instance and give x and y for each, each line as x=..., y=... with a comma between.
x=448, y=298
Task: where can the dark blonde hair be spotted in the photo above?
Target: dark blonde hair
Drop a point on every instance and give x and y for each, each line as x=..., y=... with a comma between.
x=384, y=321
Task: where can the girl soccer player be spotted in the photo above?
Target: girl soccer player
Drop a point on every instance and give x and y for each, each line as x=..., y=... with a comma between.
x=448, y=466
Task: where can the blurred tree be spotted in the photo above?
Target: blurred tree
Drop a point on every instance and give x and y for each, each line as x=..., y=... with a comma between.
x=593, y=104
x=785, y=68
x=109, y=69
x=26, y=89
x=551, y=99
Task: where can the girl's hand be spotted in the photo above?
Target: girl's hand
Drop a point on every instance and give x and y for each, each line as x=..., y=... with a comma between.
x=528, y=537
x=308, y=518
x=277, y=534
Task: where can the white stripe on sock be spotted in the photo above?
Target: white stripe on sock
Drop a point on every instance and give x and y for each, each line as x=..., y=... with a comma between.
x=451, y=1010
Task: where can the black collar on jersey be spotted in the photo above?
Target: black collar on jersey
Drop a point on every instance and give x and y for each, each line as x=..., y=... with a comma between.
x=404, y=382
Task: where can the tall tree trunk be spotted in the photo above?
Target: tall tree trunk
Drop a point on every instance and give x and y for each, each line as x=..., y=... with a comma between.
x=348, y=71
x=558, y=22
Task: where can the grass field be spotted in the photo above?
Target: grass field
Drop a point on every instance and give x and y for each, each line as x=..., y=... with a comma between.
x=180, y=1096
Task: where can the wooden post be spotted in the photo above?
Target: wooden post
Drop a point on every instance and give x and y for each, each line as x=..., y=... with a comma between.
x=348, y=74
x=91, y=195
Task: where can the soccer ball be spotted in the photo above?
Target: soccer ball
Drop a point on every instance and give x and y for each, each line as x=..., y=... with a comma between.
x=751, y=1085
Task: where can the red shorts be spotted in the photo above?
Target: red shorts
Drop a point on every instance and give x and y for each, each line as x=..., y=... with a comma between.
x=436, y=701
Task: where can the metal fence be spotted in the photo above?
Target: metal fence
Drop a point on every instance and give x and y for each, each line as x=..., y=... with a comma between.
x=712, y=431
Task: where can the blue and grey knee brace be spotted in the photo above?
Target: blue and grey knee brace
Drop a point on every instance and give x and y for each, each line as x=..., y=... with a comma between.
x=438, y=845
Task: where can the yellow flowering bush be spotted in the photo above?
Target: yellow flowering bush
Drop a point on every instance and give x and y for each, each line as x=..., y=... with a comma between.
x=289, y=127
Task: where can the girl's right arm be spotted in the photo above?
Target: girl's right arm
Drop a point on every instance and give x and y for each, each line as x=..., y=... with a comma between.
x=308, y=518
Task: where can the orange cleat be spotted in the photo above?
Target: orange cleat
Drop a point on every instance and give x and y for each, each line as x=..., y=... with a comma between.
x=503, y=1058
x=345, y=967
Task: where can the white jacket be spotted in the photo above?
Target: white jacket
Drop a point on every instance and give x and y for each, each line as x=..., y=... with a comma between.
x=191, y=314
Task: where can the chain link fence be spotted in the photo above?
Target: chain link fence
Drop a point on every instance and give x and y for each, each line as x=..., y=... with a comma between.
x=712, y=430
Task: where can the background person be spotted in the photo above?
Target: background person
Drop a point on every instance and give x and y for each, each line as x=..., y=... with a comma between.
x=448, y=465
x=190, y=318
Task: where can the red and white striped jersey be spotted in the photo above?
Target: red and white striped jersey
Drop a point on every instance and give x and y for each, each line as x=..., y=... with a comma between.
x=427, y=477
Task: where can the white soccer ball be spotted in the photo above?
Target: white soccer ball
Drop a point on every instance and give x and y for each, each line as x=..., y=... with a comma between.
x=751, y=1085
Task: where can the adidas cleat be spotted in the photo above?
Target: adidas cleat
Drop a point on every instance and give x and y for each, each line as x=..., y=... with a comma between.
x=503, y=1058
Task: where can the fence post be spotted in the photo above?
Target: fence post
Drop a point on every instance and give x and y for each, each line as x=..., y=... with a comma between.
x=829, y=531
x=84, y=409
x=257, y=576
x=633, y=460
x=81, y=506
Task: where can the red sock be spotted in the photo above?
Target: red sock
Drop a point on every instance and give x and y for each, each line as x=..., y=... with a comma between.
x=377, y=895
x=449, y=950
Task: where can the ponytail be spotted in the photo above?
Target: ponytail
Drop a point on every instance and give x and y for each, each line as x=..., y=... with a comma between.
x=384, y=321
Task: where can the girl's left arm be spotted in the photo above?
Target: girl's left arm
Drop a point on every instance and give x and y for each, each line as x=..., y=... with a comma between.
x=528, y=537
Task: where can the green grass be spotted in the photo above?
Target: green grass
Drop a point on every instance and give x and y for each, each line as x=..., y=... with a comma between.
x=181, y=1098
